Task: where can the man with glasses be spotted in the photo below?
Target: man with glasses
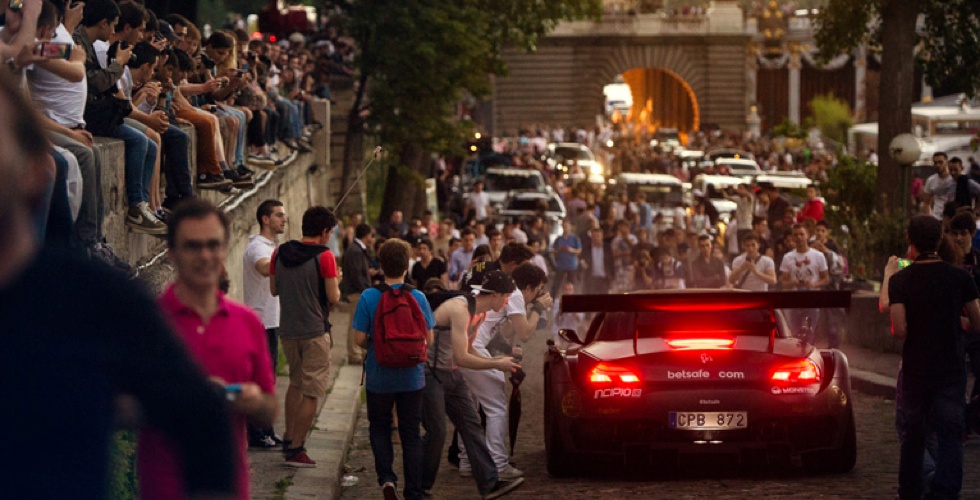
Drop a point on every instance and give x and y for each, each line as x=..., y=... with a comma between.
x=226, y=338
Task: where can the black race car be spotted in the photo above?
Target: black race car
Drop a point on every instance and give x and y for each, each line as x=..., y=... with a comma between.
x=662, y=375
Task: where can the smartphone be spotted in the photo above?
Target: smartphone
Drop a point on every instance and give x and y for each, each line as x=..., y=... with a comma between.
x=903, y=263
x=232, y=391
x=52, y=50
x=16, y=4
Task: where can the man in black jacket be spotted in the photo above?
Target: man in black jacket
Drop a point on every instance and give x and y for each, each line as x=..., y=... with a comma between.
x=357, y=270
x=598, y=259
x=76, y=336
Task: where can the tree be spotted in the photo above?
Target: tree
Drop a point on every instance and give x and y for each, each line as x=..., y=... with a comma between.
x=416, y=60
x=946, y=44
x=832, y=116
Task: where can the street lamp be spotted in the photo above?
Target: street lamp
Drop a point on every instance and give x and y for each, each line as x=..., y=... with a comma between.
x=905, y=150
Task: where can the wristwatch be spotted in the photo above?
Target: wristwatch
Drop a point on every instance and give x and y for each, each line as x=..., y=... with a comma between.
x=12, y=65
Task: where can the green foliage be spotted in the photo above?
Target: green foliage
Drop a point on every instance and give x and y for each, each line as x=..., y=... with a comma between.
x=420, y=56
x=948, y=47
x=872, y=235
x=123, y=483
x=832, y=116
x=788, y=128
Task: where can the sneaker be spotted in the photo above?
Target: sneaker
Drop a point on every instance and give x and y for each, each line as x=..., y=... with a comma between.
x=237, y=180
x=297, y=457
x=465, y=472
x=140, y=219
x=162, y=214
x=509, y=473
x=103, y=252
x=389, y=492
x=209, y=181
x=266, y=443
x=244, y=171
x=265, y=161
x=502, y=488
x=276, y=439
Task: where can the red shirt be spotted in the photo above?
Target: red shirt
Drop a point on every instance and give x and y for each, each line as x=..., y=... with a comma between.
x=812, y=209
x=232, y=346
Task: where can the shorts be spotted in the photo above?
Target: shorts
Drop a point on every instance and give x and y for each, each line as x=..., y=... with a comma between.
x=309, y=364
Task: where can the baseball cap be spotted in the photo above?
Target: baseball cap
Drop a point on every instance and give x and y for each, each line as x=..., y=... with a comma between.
x=167, y=31
x=495, y=282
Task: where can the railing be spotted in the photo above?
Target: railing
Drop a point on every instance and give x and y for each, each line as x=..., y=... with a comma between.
x=636, y=24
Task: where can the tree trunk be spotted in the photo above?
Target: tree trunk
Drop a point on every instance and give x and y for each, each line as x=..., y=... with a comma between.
x=405, y=187
x=895, y=96
x=353, y=144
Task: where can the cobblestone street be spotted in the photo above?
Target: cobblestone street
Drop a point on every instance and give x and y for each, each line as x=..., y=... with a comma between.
x=875, y=476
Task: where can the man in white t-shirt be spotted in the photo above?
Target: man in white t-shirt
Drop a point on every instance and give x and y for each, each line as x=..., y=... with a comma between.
x=940, y=187
x=58, y=89
x=515, y=323
x=803, y=268
x=752, y=270
x=271, y=216
x=478, y=203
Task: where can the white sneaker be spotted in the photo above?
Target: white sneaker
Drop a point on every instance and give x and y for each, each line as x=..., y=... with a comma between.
x=509, y=473
x=141, y=219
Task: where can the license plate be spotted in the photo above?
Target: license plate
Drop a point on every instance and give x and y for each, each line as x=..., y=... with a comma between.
x=708, y=420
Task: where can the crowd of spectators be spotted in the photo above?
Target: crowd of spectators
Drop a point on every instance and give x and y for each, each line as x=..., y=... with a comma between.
x=102, y=68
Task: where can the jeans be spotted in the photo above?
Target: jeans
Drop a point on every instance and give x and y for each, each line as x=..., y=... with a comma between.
x=141, y=155
x=561, y=277
x=489, y=390
x=55, y=226
x=242, y=127
x=942, y=406
x=88, y=226
x=409, y=407
x=271, y=125
x=272, y=337
x=446, y=393
x=176, y=164
x=290, y=126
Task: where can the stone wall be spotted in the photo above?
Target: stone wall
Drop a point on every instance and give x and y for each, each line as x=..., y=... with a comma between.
x=299, y=184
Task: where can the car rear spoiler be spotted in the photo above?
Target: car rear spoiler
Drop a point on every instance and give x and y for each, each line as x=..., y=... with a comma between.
x=705, y=301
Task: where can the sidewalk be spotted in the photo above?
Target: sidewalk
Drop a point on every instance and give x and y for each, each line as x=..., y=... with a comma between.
x=872, y=372
x=328, y=440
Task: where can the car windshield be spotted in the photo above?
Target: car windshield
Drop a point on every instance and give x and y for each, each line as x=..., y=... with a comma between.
x=659, y=195
x=573, y=153
x=499, y=182
x=533, y=204
x=660, y=324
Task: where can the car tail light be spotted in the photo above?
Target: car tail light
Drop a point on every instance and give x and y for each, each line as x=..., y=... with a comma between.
x=606, y=373
x=700, y=343
x=800, y=372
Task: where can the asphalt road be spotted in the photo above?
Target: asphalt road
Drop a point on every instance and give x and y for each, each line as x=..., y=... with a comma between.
x=875, y=475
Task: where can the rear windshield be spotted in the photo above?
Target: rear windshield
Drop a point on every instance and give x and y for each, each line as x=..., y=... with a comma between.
x=497, y=182
x=533, y=204
x=659, y=195
x=573, y=153
x=656, y=324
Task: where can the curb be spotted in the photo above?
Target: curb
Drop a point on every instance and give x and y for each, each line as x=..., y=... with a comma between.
x=873, y=384
x=329, y=442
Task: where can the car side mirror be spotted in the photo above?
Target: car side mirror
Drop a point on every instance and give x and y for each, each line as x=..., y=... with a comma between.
x=570, y=336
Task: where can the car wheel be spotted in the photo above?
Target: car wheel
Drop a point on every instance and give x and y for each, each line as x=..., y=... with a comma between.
x=838, y=460
x=559, y=462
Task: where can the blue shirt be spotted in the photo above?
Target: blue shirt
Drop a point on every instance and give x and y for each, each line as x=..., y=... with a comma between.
x=566, y=261
x=383, y=379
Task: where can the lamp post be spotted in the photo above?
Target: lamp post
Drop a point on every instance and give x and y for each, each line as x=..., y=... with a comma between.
x=905, y=150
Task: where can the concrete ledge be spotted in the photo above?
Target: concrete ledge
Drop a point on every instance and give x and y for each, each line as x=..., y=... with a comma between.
x=868, y=328
x=329, y=441
x=873, y=383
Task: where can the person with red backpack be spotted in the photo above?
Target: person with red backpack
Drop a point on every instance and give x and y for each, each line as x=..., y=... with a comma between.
x=394, y=323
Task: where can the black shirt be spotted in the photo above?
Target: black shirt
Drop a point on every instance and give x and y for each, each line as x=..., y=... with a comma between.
x=934, y=295
x=422, y=274
x=74, y=336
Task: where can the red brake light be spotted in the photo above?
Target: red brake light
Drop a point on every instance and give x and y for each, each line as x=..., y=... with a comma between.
x=606, y=373
x=801, y=372
x=700, y=343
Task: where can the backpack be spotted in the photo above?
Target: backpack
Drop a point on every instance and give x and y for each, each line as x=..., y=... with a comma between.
x=400, y=330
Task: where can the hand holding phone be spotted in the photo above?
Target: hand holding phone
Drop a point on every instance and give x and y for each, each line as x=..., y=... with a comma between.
x=54, y=50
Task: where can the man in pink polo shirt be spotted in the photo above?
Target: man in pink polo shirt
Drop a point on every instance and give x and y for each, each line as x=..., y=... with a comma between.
x=225, y=338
